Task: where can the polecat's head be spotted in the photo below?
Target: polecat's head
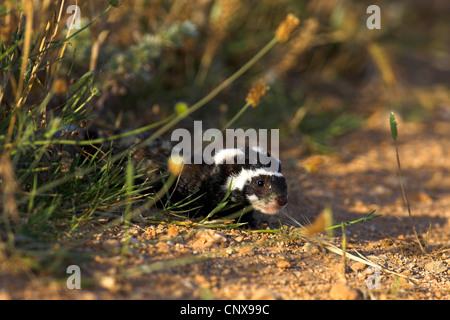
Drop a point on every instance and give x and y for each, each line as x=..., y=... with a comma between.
x=265, y=190
x=260, y=184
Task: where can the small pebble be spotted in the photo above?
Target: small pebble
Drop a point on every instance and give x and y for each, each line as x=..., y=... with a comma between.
x=283, y=264
x=310, y=248
x=436, y=267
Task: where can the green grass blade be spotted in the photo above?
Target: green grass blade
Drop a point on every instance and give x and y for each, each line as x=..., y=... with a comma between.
x=393, y=124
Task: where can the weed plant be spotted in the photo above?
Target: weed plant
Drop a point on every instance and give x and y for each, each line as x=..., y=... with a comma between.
x=58, y=189
x=54, y=185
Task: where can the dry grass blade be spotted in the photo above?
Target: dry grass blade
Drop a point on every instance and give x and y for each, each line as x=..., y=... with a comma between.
x=28, y=7
x=323, y=222
x=9, y=187
x=299, y=43
x=218, y=32
x=361, y=258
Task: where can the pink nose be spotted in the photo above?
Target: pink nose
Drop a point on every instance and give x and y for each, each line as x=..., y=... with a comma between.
x=282, y=201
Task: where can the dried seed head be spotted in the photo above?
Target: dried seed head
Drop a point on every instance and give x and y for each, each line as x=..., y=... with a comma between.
x=322, y=222
x=297, y=45
x=78, y=173
x=258, y=89
x=313, y=164
x=175, y=165
x=285, y=29
x=65, y=161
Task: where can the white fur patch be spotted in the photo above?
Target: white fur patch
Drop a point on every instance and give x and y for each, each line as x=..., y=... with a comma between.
x=240, y=180
x=269, y=207
x=252, y=198
x=258, y=149
x=227, y=156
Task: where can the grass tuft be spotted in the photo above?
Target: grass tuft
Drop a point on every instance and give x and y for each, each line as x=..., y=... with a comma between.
x=56, y=187
x=394, y=133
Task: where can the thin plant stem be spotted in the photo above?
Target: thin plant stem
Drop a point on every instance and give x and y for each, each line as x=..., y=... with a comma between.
x=394, y=133
x=405, y=199
x=26, y=47
x=178, y=118
x=215, y=91
x=100, y=140
x=348, y=223
x=344, y=249
x=240, y=113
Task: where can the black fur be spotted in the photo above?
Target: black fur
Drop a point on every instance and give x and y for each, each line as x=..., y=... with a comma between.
x=210, y=181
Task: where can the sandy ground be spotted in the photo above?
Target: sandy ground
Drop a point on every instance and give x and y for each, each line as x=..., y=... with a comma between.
x=181, y=262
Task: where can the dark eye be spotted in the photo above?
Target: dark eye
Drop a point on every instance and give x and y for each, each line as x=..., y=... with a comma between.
x=259, y=183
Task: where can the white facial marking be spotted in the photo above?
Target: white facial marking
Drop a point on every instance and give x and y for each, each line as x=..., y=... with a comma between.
x=239, y=181
x=269, y=207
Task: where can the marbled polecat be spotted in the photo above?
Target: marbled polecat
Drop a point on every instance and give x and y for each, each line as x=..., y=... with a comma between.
x=252, y=176
x=257, y=183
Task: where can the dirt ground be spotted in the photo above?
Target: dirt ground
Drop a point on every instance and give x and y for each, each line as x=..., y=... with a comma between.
x=181, y=262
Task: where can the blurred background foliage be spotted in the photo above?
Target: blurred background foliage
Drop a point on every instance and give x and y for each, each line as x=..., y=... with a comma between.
x=141, y=62
x=331, y=76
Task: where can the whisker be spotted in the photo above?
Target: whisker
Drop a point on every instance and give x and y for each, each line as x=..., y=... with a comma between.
x=296, y=222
